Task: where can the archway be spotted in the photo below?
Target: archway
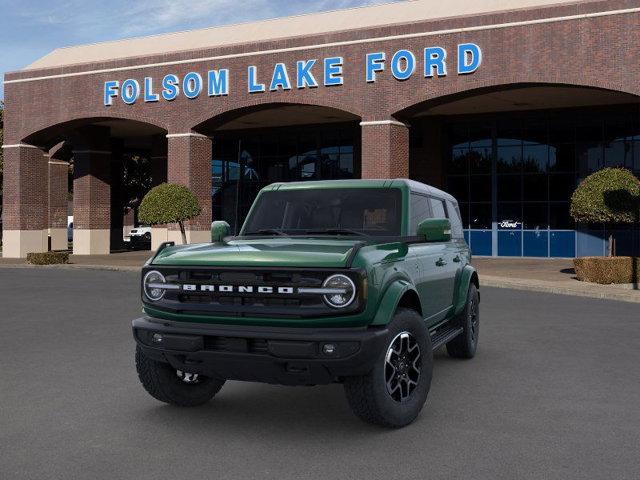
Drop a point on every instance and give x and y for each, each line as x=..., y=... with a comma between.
x=277, y=142
x=512, y=155
x=113, y=163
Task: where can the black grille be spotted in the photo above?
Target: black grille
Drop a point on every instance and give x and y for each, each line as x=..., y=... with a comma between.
x=236, y=304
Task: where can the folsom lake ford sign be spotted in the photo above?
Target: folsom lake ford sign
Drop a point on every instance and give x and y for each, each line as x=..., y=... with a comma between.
x=308, y=73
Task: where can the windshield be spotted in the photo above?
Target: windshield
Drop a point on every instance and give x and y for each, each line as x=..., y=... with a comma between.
x=339, y=211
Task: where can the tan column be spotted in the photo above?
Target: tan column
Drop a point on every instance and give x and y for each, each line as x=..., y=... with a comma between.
x=189, y=164
x=58, y=191
x=25, y=212
x=91, y=202
x=385, y=149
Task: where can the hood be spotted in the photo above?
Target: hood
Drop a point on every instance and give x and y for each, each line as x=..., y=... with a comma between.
x=271, y=252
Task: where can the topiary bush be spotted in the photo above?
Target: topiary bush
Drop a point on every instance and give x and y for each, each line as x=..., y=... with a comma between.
x=611, y=195
x=48, y=258
x=169, y=203
x=607, y=270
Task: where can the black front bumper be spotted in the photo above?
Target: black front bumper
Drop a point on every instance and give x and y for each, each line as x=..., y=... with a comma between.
x=286, y=356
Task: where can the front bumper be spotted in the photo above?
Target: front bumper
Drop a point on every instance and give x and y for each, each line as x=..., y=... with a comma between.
x=286, y=356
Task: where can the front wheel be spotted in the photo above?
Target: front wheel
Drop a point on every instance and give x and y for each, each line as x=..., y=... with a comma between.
x=394, y=392
x=173, y=386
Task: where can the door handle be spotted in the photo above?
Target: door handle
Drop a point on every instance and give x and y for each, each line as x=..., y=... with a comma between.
x=441, y=262
x=456, y=259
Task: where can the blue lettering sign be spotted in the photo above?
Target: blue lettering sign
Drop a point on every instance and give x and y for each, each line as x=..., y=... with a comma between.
x=434, y=59
x=110, y=92
x=170, y=87
x=130, y=91
x=469, y=58
x=304, y=77
x=149, y=96
x=403, y=64
x=192, y=85
x=254, y=86
x=280, y=78
x=218, y=82
x=375, y=63
x=333, y=71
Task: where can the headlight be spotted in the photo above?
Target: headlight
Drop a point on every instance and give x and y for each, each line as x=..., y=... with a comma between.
x=153, y=284
x=341, y=291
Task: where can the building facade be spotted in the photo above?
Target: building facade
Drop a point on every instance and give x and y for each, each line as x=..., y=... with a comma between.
x=505, y=109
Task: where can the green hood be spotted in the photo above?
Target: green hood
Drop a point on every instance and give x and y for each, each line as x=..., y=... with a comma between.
x=271, y=252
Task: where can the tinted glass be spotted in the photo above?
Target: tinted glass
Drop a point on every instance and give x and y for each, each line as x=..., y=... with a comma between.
x=419, y=211
x=372, y=211
x=456, y=223
x=437, y=207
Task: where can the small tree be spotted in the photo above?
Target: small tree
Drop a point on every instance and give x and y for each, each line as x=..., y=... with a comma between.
x=611, y=195
x=169, y=203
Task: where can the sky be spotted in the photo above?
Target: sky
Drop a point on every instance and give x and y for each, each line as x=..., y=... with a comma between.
x=29, y=29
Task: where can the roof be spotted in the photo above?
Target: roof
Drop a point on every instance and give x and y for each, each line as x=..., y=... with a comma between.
x=279, y=28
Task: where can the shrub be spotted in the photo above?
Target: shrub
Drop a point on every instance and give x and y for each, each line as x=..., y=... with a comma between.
x=48, y=258
x=169, y=203
x=607, y=270
x=611, y=195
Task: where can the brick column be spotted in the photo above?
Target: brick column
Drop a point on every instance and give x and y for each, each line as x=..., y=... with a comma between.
x=92, y=192
x=159, y=233
x=58, y=191
x=385, y=149
x=189, y=164
x=25, y=211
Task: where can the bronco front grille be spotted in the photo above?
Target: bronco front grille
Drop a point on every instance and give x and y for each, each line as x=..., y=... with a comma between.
x=278, y=297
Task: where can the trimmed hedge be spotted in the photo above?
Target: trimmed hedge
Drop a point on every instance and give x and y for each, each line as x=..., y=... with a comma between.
x=48, y=258
x=611, y=195
x=607, y=270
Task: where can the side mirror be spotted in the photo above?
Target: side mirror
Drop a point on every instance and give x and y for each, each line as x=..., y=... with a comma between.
x=219, y=230
x=435, y=229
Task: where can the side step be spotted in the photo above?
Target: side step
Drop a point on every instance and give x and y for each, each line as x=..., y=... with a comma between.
x=444, y=335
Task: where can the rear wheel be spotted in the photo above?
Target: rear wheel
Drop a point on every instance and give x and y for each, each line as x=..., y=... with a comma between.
x=466, y=344
x=394, y=392
x=173, y=386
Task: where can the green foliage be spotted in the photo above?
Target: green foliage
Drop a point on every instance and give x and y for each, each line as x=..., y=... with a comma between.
x=168, y=203
x=48, y=258
x=136, y=179
x=611, y=195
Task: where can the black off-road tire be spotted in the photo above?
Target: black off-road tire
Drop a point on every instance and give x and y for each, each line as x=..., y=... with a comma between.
x=163, y=383
x=368, y=395
x=466, y=344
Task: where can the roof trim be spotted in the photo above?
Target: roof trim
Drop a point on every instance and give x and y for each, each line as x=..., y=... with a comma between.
x=477, y=28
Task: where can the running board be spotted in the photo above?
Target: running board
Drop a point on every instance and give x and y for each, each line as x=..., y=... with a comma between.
x=444, y=335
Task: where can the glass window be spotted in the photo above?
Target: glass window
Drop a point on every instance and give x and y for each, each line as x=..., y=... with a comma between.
x=561, y=186
x=456, y=222
x=535, y=216
x=559, y=217
x=372, y=211
x=535, y=158
x=481, y=188
x=437, y=208
x=480, y=160
x=562, y=157
x=618, y=154
x=458, y=186
x=459, y=161
x=420, y=211
x=509, y=215
x=480, y=215
x=510, y=187
x=510, y=159
x=535, y=188
x=464, y=214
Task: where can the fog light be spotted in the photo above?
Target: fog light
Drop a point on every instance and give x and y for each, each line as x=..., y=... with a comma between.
x=328, y=349
x=157, y=338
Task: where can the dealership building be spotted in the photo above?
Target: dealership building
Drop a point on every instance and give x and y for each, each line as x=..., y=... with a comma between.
x=506, y=104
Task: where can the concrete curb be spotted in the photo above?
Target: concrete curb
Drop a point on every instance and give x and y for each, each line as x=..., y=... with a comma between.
x=604, y=292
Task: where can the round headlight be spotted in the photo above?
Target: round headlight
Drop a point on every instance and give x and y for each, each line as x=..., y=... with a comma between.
x=151, y=283
x=343, y=291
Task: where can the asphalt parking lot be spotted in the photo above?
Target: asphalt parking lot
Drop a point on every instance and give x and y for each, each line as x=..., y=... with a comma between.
x=553, y=393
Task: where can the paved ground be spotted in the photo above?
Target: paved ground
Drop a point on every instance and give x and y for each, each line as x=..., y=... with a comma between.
x=553, y=393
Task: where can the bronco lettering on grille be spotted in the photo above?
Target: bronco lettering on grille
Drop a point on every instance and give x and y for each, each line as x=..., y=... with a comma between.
x=237, y=289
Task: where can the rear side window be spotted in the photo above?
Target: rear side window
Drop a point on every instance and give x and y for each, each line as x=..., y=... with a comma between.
x=437, y=206
x=420, y=210
x=454, y=218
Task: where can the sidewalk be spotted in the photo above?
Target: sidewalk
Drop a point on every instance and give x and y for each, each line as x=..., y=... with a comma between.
x=537, y=275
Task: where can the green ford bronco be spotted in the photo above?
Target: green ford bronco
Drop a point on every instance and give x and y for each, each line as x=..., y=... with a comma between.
x=348, y=281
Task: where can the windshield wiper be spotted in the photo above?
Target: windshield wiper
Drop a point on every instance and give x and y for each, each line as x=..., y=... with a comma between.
x=268, y=231
x=337, y=231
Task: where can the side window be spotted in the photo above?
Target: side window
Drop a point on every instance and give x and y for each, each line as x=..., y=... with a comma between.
x=437, y=206
x=456, y=222
x=419, y=211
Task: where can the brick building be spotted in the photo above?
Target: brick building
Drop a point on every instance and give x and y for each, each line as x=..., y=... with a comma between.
x=506, y=104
